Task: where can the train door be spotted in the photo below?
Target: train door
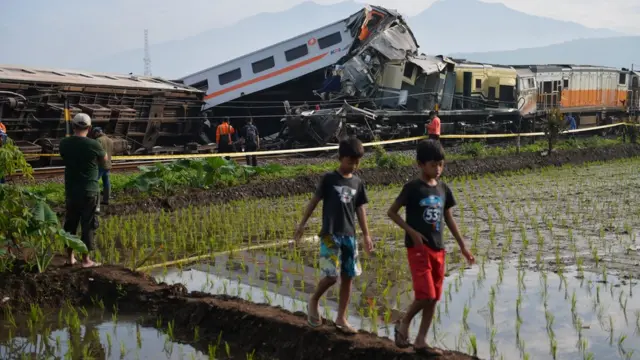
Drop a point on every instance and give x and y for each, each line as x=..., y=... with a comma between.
x=467, y=80
x=547, y=90
x=448, y=91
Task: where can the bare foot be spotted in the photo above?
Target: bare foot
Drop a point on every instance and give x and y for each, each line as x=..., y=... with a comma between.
x=71, y=261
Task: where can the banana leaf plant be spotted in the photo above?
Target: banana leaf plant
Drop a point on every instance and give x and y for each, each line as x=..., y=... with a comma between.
x=28, y=224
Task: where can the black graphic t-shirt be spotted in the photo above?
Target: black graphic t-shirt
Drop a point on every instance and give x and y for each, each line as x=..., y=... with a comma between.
x=341, y=197
x=425, y=206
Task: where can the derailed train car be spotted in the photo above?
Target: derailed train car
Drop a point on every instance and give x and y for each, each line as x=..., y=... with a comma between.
x=142, y=114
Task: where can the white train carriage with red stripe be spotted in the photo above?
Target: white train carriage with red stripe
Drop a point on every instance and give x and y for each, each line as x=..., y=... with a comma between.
x=289, y=59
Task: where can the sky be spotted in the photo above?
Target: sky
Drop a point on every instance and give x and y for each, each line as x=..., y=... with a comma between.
x=98, y=28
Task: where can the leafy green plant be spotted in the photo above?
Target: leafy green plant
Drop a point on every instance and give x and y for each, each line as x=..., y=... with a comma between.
x=387, y=161
x=196, y=173
x=29, y=225
x=475, y=149
x=12, y=160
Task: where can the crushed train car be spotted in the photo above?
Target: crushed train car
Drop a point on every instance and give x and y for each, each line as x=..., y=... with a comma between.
x=142, y=114
x=369, y=60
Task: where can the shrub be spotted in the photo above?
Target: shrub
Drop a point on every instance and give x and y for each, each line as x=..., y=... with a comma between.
x=553, y=125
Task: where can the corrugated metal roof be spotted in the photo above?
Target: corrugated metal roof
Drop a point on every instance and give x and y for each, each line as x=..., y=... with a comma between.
x=76, y=77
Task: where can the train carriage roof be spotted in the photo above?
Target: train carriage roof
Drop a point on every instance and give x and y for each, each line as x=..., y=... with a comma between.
x=12, y=73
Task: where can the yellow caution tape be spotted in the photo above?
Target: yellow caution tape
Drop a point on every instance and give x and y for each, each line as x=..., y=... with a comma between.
x=335, y=147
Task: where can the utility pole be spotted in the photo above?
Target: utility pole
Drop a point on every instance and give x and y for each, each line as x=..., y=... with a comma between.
x=147, y=55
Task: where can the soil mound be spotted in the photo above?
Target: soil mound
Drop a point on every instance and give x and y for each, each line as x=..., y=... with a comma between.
x=271, y=331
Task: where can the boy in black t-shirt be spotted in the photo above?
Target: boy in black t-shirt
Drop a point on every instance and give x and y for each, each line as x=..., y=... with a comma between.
x=344, y=197
x=428, y=201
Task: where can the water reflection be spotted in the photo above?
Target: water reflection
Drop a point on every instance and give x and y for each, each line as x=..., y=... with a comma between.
x=510, y=313
x=93, y=337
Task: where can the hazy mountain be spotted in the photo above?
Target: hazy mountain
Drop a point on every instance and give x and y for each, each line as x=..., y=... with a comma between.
x=470, y=26
x=616, y=52
x=175, y=59
x=447, y=26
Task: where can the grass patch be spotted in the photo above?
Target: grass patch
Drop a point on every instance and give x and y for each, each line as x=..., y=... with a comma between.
x=178, y=181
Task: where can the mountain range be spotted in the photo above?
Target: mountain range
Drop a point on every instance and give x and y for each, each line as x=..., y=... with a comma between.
x=616, y=52
x=463, y=28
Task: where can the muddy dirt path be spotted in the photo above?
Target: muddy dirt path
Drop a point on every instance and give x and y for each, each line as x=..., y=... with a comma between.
x=270, y=331
x=307, y=183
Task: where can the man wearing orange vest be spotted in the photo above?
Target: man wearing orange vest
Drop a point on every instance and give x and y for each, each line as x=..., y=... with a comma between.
x=223, y=136
x=433, y=126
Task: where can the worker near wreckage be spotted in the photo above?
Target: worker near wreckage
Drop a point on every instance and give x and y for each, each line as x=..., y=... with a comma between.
x=223, y=136
x=433, y=126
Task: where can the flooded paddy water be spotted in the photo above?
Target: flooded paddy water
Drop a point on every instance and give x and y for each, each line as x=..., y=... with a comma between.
x=78, y=333
x=496, y=311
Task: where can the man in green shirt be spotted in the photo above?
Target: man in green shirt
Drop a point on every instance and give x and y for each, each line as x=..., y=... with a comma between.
x=81, y=156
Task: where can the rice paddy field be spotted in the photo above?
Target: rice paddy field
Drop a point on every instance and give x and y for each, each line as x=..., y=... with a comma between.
x=556, y=273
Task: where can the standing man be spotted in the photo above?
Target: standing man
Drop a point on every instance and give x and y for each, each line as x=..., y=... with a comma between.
x=81, y=156
x=223, y=136
x=251, y=138
x=433, y=126
x=571, y=122
x=104, y=172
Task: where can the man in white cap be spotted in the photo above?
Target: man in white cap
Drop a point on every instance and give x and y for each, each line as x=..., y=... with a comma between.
x=81, y=156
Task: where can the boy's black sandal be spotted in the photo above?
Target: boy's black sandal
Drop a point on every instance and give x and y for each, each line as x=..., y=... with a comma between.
x=401, y=340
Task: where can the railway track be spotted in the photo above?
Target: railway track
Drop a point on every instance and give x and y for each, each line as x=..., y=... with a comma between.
x=48, y=172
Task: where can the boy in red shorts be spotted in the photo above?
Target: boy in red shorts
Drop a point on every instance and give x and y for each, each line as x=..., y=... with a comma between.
x=428, y=201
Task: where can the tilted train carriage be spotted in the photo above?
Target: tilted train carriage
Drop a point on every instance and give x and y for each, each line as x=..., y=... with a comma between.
x=142, y=114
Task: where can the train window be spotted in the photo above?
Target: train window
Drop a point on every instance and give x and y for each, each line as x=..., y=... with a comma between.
x=296, y=52
x=565, y=83
x=623, y=79
x=408, y=70
x=329, y=40
x=264, y=64
x=230, y=76
x=478, y=83
x=532, y=83
x=202, y=85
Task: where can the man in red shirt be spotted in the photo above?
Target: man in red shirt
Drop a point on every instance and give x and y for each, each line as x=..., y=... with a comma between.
x=433, y=126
